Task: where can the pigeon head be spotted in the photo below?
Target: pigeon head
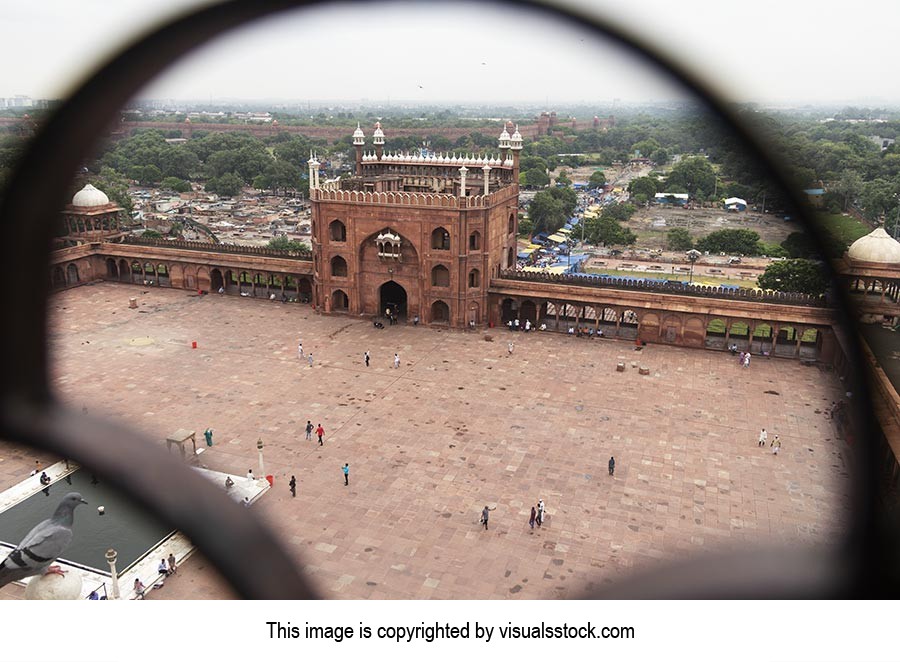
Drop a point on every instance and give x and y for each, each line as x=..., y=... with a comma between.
x=66, y=508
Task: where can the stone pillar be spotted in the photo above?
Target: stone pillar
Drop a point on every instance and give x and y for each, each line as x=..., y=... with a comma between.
x=487, y=176
x=462, y=181
x=111, y=556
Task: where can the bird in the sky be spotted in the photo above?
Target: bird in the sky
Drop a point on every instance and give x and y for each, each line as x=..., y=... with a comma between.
x=43, y=544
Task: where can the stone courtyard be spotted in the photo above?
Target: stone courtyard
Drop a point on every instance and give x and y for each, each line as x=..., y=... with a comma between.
x=461, y=424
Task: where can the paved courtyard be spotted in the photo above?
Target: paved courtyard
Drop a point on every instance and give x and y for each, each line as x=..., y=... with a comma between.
x=461, y=424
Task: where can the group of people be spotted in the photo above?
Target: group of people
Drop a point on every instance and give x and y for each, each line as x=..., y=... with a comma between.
x=516, y=325
x=775, y=444
x=166, y=568
x=320, y=432
x=537, y=515
x=585, y=332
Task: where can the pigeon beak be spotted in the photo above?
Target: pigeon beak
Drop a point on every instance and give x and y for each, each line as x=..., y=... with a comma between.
x=83, y=501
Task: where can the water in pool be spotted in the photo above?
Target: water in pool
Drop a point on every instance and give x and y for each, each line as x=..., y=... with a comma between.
x=124, y=527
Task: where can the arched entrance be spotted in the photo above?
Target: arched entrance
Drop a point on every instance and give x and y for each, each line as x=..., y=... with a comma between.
x=216, y=281
x=440, y=313
x=392, y=295
x=112, y=271
x=528, y=311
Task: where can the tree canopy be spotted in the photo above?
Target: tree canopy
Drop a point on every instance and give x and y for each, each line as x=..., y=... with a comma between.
x=549, y=210
x=740, y=242
x=679, y=239
x=798, y=275
x=598, y=179
x=694, y=176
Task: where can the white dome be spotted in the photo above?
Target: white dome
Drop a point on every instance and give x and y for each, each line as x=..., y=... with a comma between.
x=877, y=246
x=90, y=197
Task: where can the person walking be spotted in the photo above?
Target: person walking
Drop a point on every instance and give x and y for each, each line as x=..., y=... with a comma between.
x=250, y=477
x=173, y=567
x=540, y=513
x=300, y=350
x=366, y=358
x=293, y=485
x=346, y=470
x=208, y=433
x=776, y=445
x=612, y=465
x=533, y=517
x=509, y=348
x=309, y=429
x=396, y=360
x=484, y=517
x=747, y=360
x=763, y=437
x=320, y=433
x=309, y=359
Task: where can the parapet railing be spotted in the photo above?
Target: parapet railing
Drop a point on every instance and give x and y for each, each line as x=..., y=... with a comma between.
x=442, y=200
x=218, y=248
x=612, y=282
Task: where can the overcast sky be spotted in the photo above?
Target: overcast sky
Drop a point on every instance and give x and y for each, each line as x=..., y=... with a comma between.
x=769, y=51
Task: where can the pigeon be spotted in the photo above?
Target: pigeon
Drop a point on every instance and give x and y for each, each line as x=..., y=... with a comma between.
x=43, y=544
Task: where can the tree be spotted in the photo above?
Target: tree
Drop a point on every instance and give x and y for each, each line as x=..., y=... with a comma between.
x=607, y=231
x=285, y=244
x=149, y=175
x=693, y=175
x=742, y=242
x=526, y=227
x=644, y=186
x=803, y=276
x=116, y=188
x=660, y=156
x=679, y=239
x=848, y=187
x=799, y=244
x=566, y=197
x=227, y=185
x=619, y=211
x=563, y=178
x=546, y=212
x=536, y=178
x=152, y=234
x=598, y=179
x=878, y=197
x=175, y=184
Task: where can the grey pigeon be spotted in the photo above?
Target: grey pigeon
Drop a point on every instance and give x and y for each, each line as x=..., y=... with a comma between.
x=43, y=544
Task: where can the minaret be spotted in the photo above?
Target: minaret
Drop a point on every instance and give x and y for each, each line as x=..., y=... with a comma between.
x=515, y=145
x=313, y=172
x=313, y=167
x=378, y=140
x=359, y=139
x=504, y=145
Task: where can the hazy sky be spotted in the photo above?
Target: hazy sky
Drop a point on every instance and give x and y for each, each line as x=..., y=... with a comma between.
x=765, y=50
